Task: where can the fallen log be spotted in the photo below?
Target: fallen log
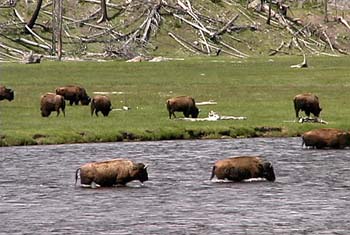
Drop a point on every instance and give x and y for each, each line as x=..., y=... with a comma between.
x=212, y=116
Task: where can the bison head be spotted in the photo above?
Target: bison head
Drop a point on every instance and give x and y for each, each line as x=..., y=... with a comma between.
x=85, y=100
x=140, y=172
x=317, y=111
x=268, y=172
x=45, y=113
x=9, y=94
x=195, y=112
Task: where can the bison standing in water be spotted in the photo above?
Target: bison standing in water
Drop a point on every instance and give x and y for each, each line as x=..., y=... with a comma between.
x=326, y=138
x=101, y=103
x=111, y=172
x=243, y=167
x=185, y=104
x=308, y=103
x=6, y=93
x=51, y=102
x=74, y=94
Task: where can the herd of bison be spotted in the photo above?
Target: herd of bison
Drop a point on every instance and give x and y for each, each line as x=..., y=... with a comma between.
x=122, y=171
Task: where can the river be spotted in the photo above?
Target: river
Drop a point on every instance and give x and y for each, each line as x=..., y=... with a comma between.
x=311, y=194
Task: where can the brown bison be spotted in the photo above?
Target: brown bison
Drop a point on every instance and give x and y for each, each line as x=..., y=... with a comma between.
x=243, y=167
x=101, y=103
x=326, y=138
x=6, y=93
x=111, y=172
x=74, y=94
x=308, y=103
x=51, y=102
x=185, y=104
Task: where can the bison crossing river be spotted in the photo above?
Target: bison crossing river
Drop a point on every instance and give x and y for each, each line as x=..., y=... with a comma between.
x=122, y=171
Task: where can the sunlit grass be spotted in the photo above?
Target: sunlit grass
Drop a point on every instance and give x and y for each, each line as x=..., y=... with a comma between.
x=259, y=88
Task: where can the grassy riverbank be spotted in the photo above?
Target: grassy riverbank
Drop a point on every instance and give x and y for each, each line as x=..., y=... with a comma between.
x=260, y=89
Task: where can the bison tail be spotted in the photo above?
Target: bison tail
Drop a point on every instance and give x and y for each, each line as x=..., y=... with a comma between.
x=76, y=176
x=212, y=173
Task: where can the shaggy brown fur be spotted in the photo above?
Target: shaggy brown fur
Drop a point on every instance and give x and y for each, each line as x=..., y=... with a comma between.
x=74, y=94
x=185, y=104
x=101, y=103
x=326, y=138
x=308, y=103
x=51, y=102
x=243, y=167
x=112, y=172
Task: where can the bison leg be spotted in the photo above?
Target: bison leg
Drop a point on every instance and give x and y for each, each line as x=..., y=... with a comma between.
x=172, y=113
x=71, y=102
x=96, y=113
x=297, y=113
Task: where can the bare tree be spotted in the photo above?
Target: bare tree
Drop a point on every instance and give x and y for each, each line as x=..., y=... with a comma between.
x=35, y=15
x=104, y=15
x=326, y=10
x=269, y=17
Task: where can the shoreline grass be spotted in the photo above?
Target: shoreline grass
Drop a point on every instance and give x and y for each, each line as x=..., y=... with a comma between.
x=260, y=89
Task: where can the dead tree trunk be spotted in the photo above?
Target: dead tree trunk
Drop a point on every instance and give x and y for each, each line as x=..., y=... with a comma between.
x=325, y=10
x=104, y=15
x=57, y=28
x=35, y=15
x=269, y=17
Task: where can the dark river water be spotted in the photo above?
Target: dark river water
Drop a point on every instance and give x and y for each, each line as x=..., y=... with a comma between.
x=311, y=194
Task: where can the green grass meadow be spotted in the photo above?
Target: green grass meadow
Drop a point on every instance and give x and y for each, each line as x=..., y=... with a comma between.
x=260, y=89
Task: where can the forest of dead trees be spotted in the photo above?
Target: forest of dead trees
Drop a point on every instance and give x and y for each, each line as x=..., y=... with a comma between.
x=102, y=29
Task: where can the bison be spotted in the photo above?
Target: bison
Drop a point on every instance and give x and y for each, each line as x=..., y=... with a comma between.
x=111, y=172
x=74, y=94
x=308, y=103
x=6, y=93
x=101, y=103
x=185, y=104
x=326, y=138
x=51, y=102
x=243, y=167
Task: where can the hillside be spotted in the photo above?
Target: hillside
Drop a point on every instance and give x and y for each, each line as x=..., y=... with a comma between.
x=172, y=28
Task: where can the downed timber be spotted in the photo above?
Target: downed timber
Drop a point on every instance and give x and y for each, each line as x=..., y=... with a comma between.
x=37, y=36
x=185, y=44
x=224, y=29
x=26, y=41
x=111, y=5
x=194, y=25
x=210, y=102
x=344, y=22
x=311, y=120
x=277, y=50
x=212, y=116
x=218, y=50
x=302, y=64
x=10, y=49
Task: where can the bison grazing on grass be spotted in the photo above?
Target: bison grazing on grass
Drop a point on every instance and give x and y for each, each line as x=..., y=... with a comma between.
x=6, y=93
x=51, y=102
x=185, y=104
x=326, y=138
x=243, y=167
x=74, y=94
x=101, y=103
x=111, y=172
x=308, y=103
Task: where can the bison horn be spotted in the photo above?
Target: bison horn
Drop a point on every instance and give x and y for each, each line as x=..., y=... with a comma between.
x=145, y=167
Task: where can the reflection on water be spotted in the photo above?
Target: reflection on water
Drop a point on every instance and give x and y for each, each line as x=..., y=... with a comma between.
x=310, y=194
